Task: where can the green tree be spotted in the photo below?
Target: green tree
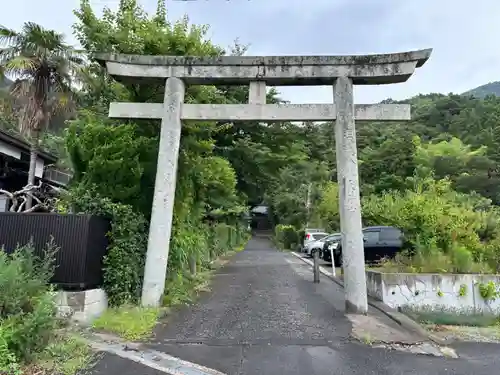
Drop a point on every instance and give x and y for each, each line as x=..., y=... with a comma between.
x=119, y=157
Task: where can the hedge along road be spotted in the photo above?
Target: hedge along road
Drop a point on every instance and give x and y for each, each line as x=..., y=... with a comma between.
x=265, y=316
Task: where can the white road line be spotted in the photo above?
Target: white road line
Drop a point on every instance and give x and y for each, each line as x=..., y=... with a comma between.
x=147, y=357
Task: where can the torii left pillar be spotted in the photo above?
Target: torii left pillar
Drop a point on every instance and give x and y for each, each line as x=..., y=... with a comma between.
x=164, y=193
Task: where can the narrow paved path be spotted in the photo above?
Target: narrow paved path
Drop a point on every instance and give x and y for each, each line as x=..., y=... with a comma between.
x=265, y=316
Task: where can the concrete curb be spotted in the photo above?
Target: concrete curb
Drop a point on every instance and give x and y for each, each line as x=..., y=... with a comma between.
x=401, y=319
x=140, y=353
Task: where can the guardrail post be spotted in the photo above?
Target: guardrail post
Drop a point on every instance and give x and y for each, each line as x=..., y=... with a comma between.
x=316, y=266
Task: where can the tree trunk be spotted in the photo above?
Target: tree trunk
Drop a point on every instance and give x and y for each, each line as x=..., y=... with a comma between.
x=35, y=141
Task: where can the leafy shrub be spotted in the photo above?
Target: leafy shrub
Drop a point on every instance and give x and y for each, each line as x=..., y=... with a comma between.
x=124, y=262
x=328, y=206
x=187, y=240
x=441, y=228
x=205, y=242
x=211, y=241
x=287, y=235
x=224, y=238
x=28, y=313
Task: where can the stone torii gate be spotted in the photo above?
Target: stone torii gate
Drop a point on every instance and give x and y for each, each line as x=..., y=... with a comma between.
x=342, y=72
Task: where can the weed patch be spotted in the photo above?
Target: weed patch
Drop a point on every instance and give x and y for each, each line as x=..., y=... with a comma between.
x=183, y=289
x=130, y=322
x=66, y=354
x=446, y=316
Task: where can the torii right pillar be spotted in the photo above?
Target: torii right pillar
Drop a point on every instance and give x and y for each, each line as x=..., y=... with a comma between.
x=353, y=257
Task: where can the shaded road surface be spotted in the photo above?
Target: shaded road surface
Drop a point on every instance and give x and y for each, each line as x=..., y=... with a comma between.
x=265, y=316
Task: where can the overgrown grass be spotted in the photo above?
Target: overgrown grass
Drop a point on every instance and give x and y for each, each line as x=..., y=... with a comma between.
x=441, y=315
x=130, y=322
x=66, y=354
x=430, y=262
x=184, y=288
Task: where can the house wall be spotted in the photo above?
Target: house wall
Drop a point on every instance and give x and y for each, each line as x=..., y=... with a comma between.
x=15, y=152
x=459, y=293
x=4, y=203
x=39, y=168
x=9, y=150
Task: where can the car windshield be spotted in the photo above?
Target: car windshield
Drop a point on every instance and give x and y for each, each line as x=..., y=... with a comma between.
x=318, y=236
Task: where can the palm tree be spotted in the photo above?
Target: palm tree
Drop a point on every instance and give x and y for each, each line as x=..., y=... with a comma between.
x=44, y=68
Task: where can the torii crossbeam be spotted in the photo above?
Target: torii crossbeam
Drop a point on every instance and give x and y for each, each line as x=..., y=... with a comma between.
x=342, y=72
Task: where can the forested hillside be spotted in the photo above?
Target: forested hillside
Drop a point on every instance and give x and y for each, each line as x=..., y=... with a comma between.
x=492, y=88
x=456, y=136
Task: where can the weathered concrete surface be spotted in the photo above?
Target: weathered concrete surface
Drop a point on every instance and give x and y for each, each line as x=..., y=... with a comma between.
x=353, y=256
x=160, y=227
x=378, y=331
x=442, y=292
x=262, y=112
x=386, y=58
x=82, y=306
x=257, y=93
x=274, y=70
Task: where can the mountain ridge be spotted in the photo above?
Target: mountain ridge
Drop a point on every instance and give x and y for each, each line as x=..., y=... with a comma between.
x=491, y=88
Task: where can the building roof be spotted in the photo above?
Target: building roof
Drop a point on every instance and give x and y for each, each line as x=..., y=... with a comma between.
x=25, y=146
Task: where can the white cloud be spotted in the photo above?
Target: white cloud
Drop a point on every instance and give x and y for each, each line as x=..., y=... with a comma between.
x=462, y=33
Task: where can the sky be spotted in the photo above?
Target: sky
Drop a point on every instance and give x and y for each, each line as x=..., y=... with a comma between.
x=463, y=35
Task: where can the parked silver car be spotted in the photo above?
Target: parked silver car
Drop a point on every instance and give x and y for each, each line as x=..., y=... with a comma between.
x=312, y=235
x=317, y=246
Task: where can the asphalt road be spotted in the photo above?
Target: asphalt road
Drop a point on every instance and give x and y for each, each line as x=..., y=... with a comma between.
x=265, y=316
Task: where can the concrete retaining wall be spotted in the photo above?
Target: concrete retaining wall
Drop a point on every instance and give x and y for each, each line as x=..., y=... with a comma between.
x=455, y=292
x=82, y=307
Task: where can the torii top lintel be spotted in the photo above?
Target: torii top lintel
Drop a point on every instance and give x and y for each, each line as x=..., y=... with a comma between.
x=274, y=70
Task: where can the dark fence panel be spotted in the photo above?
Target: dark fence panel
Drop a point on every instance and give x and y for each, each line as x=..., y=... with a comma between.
x=81, y=240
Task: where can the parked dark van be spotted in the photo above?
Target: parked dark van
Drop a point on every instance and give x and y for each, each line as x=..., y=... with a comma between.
x=379, y=242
